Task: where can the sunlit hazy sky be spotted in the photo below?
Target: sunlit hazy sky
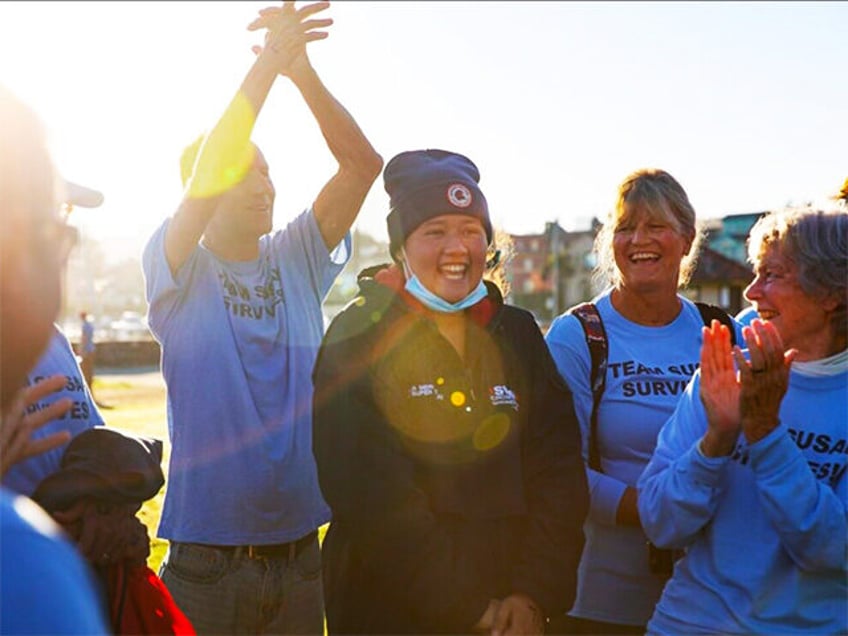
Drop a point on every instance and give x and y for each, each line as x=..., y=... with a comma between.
x=745, y=103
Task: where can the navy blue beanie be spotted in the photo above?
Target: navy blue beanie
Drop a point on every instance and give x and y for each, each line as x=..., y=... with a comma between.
x=423, y=184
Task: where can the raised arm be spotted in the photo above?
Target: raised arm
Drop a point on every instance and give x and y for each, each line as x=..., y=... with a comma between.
x=342, y=196
x=226, y=153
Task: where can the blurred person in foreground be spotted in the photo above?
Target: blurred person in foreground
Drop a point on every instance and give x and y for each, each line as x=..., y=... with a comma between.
x=647, y=251
x=237, y=311
x=58, y=359
x=749, y=472
x=105, y=534
x=47, y=588
x=446, y=442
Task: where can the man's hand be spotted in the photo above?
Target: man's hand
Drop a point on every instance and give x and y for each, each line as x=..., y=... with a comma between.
x=16, y=428
x=719, y=391
x=288, y=32
x=518, y=614
x=106, y=533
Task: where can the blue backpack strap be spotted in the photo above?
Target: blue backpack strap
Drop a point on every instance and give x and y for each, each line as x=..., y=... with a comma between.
x=710, y=312
x=596, y=341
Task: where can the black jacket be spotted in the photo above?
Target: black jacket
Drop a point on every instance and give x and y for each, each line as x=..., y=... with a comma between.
x=450, y=482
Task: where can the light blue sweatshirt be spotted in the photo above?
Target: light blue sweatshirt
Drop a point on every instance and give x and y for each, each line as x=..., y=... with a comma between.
x=765, y=528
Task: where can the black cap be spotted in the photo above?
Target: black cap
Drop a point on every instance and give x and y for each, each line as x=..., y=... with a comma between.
x=103, y=464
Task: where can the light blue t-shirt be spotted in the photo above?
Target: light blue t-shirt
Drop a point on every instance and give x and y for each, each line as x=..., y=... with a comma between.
x=46, y=586
x=59, y=358
x=765, y=528
x=648, y=370
x=239, y=341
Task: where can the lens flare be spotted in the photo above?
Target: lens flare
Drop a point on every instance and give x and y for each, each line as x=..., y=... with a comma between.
x=214, y=163
x=491, y=432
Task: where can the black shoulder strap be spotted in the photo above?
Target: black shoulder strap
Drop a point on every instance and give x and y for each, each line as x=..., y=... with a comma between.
x=711, y=312
x=596, y=340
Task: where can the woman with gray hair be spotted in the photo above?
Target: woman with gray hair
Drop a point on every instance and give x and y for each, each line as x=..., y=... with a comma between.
x=646, y=251
x=749, y=472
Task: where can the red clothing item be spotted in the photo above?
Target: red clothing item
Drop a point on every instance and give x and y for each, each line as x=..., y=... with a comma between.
x=139, y=603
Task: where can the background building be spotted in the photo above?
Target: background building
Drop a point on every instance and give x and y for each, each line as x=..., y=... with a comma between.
x=552, y=271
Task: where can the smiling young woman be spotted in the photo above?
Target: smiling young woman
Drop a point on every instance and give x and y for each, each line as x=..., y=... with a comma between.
x=445, y=441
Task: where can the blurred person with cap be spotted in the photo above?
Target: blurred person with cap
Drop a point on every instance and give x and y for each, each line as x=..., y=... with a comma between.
x=38, y=565
x=236, y=308
x=58, y=359
x=104, y=535
x=446, y=442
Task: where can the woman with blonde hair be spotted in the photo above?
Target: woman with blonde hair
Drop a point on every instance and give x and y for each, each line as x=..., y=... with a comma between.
x=646, y=251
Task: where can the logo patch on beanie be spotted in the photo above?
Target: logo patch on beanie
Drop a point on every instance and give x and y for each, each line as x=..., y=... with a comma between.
x=459, y=195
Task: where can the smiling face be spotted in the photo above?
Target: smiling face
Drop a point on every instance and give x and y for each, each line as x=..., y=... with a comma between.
x=245, y=212
x=648, y=251
x=448, y=255
x=802, y=319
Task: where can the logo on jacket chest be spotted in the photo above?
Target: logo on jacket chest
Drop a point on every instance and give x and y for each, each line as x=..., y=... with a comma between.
x=424, y=390
x=499, y=394
x=502, y=395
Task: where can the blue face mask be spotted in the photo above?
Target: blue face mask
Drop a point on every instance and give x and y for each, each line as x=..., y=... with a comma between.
x=437, y=303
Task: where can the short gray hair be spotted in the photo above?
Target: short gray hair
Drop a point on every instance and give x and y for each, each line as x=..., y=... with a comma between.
x=816, y=241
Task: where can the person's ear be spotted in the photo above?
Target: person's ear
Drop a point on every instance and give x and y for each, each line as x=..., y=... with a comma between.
x=400, y=258
x=831, y=302
x=690, y=239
